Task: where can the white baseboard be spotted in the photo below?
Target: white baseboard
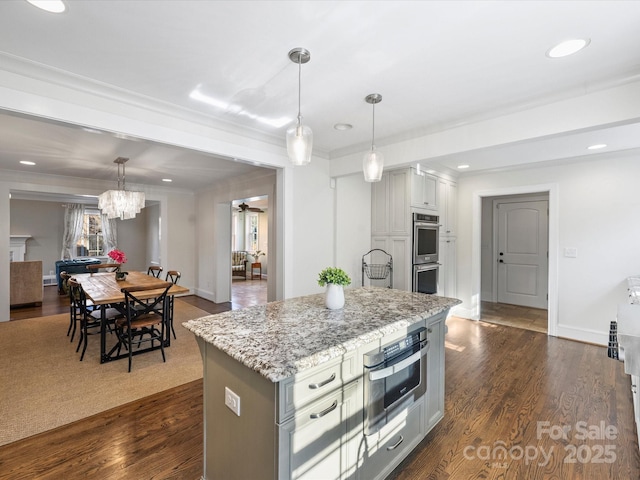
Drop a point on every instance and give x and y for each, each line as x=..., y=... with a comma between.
x=583, y=335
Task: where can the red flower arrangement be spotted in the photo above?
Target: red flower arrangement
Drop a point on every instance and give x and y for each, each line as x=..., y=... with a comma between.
x=117, y=256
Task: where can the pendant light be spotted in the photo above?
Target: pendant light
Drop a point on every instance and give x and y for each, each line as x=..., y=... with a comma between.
x=121, y=203
x=299, y=137
x=373, y=161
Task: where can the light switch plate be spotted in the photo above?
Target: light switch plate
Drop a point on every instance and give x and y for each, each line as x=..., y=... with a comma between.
x=570, y=252
x=232, y=400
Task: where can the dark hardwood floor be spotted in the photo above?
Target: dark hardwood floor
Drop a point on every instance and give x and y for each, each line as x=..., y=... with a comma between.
x=502, y=385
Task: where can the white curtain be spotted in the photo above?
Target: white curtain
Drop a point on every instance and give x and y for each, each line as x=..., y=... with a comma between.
x=109, y=233
x=73, y=217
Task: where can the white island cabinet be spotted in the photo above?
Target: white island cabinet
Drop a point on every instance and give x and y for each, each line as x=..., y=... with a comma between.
x=283, y=385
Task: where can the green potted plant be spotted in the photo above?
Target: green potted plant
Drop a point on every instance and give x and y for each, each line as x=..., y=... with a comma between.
x=335, y=280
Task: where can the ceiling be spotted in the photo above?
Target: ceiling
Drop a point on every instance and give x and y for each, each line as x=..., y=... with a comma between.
x=437, y=65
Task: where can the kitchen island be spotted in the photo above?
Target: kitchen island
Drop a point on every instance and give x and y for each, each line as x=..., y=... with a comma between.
x=283, y=385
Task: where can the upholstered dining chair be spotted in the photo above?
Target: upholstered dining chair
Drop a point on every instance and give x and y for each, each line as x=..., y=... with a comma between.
x=144, y=319
x=154, y=270
x=172, y=276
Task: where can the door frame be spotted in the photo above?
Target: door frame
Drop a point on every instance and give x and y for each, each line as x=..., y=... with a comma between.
x=552, y=190
x=542, y=197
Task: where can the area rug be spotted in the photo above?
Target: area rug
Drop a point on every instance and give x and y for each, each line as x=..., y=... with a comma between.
x=43, y=385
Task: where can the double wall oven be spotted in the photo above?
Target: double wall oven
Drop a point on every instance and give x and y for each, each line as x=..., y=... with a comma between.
x=426, y=232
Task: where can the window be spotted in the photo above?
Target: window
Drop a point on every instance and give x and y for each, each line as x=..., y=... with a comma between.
x=253, y=233
x=90, y=243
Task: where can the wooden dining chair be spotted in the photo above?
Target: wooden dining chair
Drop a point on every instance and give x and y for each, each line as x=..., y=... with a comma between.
x=154, y=271
x=86, y=314
x=107, y=267
x=64, y=277
x=144, y=319
x=172, y=276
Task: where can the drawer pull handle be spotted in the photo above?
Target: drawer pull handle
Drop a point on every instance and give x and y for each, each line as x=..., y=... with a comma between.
x=322, y=384
x=393, y=447
x=325, y=411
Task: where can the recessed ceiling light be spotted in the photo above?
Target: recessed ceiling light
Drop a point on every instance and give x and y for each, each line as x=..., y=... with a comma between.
x=167, y=180
x=53, y=6
x=568, y=47
x=343, y=126
x=26, y=162
x=597, y=147
x=462, y=167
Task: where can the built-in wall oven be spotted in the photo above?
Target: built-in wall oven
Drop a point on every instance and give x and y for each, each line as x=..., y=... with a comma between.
x=426, y=229
x=426, y=278
x=426, y=269
x=395, y=376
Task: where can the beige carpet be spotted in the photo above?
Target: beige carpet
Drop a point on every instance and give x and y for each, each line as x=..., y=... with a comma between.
x=44, y=385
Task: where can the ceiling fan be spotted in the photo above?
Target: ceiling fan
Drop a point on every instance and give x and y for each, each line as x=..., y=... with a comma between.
x=244, y=208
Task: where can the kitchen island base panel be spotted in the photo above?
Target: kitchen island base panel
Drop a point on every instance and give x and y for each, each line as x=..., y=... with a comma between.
x=237, y=447
x=297, y=369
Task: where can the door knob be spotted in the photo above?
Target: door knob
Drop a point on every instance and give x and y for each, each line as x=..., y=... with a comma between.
x=501, y=261
x=501, y=253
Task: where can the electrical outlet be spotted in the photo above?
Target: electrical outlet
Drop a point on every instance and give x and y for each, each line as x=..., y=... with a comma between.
x=232, y=400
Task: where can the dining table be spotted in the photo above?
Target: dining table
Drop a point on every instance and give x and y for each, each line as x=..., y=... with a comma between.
x=105, y=291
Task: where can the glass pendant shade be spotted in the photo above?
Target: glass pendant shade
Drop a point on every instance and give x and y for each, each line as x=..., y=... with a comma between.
x=373, y=162
x=121, y=203
x=299, y=136
x=372, y=165
x=299, y=144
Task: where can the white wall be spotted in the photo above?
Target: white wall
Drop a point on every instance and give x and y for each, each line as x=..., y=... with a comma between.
x=353, y=224
x=44, y=221
x=597, y=206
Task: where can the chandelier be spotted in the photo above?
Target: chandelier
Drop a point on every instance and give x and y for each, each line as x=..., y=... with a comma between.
x=121, y=203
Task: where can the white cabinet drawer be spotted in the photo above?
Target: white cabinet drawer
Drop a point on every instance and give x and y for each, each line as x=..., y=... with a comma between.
x=386, y=450
x=297, y=391
x=314, y=444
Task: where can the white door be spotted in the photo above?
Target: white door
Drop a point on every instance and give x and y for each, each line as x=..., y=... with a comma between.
x=523, y=253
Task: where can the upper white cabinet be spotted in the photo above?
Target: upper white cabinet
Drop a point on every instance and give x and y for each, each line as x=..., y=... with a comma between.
x=448, y=200
x=390, y=212
x=424, y=190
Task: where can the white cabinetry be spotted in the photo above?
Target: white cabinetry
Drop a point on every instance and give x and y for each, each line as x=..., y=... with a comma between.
x=448, y=192
x=424, y=190
x=315, y=443
x=382, y=452
x=390, y=213
x=394, y=199
x=399, y=247
x=447, y=280
x=435, y=371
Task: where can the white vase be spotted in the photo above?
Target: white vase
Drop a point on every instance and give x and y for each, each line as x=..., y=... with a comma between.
x=334, y=296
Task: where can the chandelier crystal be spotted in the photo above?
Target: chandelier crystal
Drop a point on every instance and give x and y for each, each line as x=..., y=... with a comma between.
x=373, y=162
x=121, y=203
x=299, y=136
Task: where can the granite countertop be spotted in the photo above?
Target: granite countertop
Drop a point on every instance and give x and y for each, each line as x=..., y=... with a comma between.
x=280, y=339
